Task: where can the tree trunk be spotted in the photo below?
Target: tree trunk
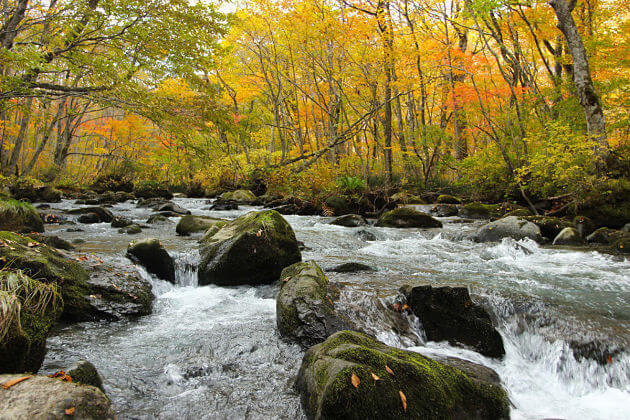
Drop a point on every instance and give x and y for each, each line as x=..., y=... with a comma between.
x=589, y=99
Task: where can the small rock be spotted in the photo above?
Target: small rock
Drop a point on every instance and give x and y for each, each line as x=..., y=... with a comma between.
x=350, y=220
x=568, y=236
x=445, y=210
x=151, y=254
x=405, y=217
x=89, y=218
x=84, y=372
x=121, y=222
x=158, y=219
x=132, y=229
x=351, y=267
x=366, y=235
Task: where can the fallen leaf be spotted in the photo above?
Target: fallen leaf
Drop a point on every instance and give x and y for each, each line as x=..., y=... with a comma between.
x=12, y=382
x=376, y=378
x=403, y=399
x=70, y=411
x=259, y=233
x=391, y=372
x=61, y=375
x=609, y=360
x=355, y=380
x=406, y=307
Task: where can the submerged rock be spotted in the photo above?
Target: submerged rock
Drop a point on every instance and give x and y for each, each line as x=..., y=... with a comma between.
x=41, y=397
x=151, y=255
x=350, y=267
x=350, y=220
x=252, y=249
x=188, y=225
x=568, y=236
x=158, y=219
x=366, y=235
x=405, y=217
x=304, y=311
x=508, y=227
x=132, y=229
x=19, y=216
x=448, y=314
x=170, y=207
x=224, y=206
x=336, y=380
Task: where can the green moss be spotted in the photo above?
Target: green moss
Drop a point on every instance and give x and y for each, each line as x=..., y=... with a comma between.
x=239, y=195
x=19, y=216
x=448, y=199
x=433, y=390
x=193, y=224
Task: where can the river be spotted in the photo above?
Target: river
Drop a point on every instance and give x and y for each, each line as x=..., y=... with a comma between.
x=214, y=352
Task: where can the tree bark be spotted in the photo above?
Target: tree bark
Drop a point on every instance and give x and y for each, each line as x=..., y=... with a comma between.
x=589, y=99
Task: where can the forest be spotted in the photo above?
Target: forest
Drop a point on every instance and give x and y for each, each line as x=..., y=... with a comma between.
x=491, y=99
x=315, y=209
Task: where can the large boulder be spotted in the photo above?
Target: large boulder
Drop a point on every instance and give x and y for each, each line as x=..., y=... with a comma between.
x=239, y=196
x=83, y=300
x=448, y=314
x=150, y=253
x=41, y=397
x=304, y=311
x=568, y=236
x=508, y=227
x=252, y=249
x=350, y=220
x=405, y=217
x=28, y=310
x=170, y=207
x=188, y=225
x=104, y=215
x=354, y=376
x=19, y=216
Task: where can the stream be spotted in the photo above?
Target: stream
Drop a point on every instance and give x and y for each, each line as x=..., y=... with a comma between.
x=214, y=352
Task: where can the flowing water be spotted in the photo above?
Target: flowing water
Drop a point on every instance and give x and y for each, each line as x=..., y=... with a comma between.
x=214, y=352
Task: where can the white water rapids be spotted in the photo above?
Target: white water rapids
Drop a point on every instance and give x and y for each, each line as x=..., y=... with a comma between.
x=213, y=352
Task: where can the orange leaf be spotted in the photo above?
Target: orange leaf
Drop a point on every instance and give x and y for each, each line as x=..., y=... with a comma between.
x=376, y=378
x=403, y=399
x=70, y=411
x=355, y=380
x=12, y=382
x=391, y=372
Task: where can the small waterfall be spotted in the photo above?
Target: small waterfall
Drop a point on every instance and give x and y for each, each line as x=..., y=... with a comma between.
x=186, y=265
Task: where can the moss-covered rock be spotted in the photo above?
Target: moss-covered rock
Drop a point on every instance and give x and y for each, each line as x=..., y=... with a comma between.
x=19, y=216
x=432, y=390
x=158, y=219
x=85, y=373
x=28, y=310
x=33, y=191
x=304, y=311
x=507, y=227
x=52, y=241
x=405, y=217
x=132, y=229
x=550, y=227
x=404, y=197
x=349, y=220
x=150, y=253
x=447, y=199
x=519, y=213
x=41, y=397
x=188, y=225
x=607, y=205
x=584, y=226
x=622, y=245
x=252, y=249
x=240, y=196
x=478, y=210
x=606, y=236
x=50, y=266
x=448, y=314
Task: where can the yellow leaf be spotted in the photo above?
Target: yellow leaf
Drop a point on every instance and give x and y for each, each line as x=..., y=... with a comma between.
x=355, y=380
x=403, y=399
x=391, y=372
x=376, y=378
